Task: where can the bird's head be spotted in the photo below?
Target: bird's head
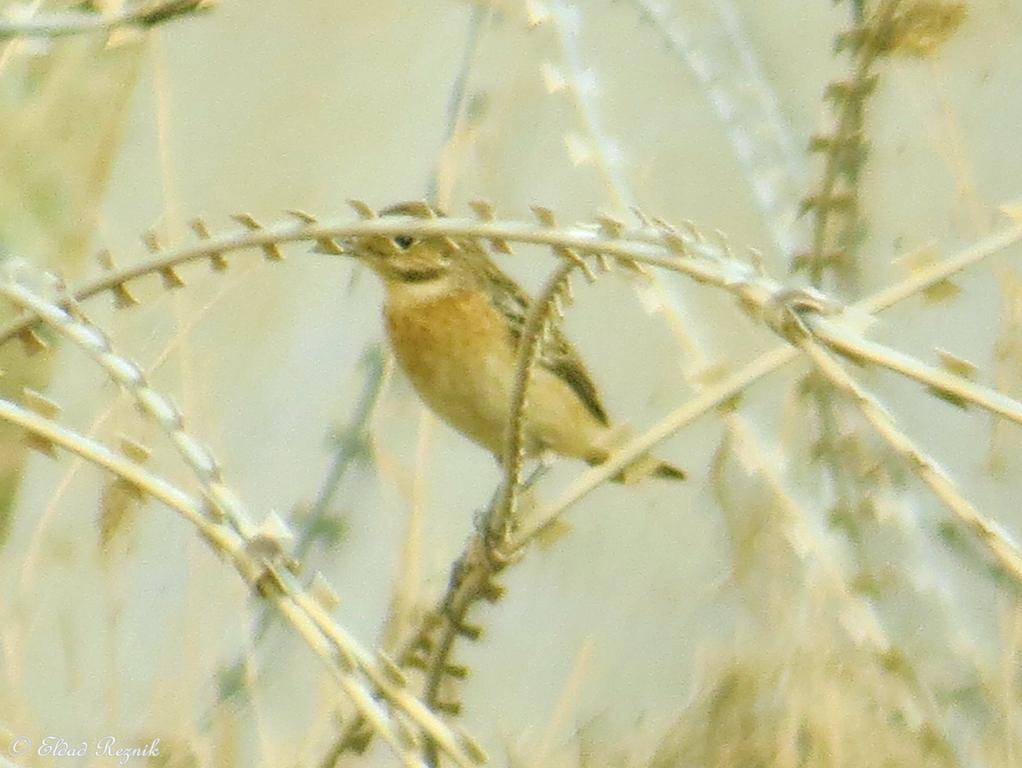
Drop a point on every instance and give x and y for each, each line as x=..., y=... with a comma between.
x=408, y=261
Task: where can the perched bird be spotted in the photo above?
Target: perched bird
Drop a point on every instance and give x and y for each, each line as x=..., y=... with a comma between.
x=454, y=321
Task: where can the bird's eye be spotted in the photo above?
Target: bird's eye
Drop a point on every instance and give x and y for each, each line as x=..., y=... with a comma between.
x=404, y=242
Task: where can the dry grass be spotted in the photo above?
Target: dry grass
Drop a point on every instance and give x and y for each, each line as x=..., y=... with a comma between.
x=837, y=584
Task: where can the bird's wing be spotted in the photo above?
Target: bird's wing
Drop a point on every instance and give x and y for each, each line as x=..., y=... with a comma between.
x=557, y=354
x=560, y=358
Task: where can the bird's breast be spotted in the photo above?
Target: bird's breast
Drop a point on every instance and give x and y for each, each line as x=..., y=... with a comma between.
x=457, y=351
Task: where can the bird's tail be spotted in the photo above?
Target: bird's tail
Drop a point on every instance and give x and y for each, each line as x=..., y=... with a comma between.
x=641, y=468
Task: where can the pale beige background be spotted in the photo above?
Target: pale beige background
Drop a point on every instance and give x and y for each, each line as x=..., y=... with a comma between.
x=603, y=637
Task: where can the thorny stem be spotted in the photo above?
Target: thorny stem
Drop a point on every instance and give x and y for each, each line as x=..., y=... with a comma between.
x=1003, y=551
x=254, y=569
x=351, y=444
x=704, y=261
x=500, y=523
x=732, y=81
x=835, y=252
x=471, y=580
x=259, y=558
x=487, y=554
x=844, y=158
x=765, y=364
x=862, y=350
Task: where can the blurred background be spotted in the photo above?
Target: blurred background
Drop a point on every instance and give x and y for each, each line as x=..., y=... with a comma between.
x=799, y=602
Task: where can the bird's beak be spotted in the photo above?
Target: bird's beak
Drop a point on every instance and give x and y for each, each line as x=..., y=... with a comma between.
x=372, y=250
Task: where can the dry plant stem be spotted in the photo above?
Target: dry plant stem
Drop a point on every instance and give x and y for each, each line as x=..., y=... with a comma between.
x=834, y=245
x=837, y=164
x=860, y=349
x=767, y=363
x=487, y=553
x=740, y=97
x=471, y=581
x=97, y=453
x=732, y=82
x=221, y=538
x=564, y=17
x=329, y=640
x=157, y=407
x=47, y=513
x=585, y=240
x=998, y=545
x=702, y=260
x=730, y=75
x=394, y=692
x=352, y=444
x=707, y=400
x=941, y=270
x=925, y=467
x=500, y=523
x=139, y=14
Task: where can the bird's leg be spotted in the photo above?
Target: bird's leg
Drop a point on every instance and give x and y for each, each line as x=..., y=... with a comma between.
x=546, y=460
x=496, y=541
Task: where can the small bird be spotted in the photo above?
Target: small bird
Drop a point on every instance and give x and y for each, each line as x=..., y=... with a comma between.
x=454, y=320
